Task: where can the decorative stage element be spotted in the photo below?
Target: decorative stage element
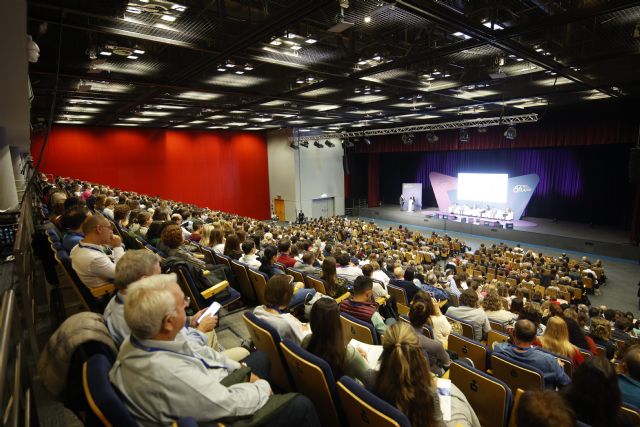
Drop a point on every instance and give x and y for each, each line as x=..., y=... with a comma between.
x=519, y=192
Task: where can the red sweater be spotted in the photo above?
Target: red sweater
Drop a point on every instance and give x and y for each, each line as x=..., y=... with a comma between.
x=286, y=260
x=360, y=310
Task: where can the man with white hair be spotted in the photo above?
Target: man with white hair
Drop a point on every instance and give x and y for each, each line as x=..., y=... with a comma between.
x=162, y=377
x=138, y=264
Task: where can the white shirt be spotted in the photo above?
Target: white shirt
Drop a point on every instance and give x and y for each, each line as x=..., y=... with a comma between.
x=108, y=212
x=93, y=266
x=251, y=260
x=441, y=328
x=379, y=275
x=350, y=273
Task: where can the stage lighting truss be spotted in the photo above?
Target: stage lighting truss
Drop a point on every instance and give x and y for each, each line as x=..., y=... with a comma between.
x=458, y=124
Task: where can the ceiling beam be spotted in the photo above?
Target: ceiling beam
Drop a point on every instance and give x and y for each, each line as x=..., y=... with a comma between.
x=504, y=39
x=275, y=25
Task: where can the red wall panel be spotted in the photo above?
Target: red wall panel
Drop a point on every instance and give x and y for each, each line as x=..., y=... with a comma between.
x=222, y=170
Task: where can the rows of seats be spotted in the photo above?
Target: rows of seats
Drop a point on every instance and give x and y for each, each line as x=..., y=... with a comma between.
x=344, y=401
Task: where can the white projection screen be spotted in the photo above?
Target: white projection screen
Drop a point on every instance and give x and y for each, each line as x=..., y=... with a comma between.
x=483, y=187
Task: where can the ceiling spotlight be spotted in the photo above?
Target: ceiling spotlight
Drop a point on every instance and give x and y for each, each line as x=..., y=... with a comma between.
x=366, y=140
x=407, y=138
x=300, y=80
x=463, y=136
x=377, y=57
x=511, y=133
x=362, y=61
x=92, y=53
x=230, y=63
x=432, y=137
x=311, y=78
x=377, y=89
x=139, y=51
x=482, y=129
x=168, y=18
x=310, y=40
x=329, y=144
x=304, y=144
x=295, y=47
x=248, y=67
x=221, y=68
x=275, y=41
x=294, y=146
x=106, y=53
x=347, y=143
x=132, y=57
x=239, y=72
x=318, y=144
x=367, y=19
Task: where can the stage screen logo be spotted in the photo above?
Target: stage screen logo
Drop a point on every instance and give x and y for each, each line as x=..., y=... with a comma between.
x=522, y=189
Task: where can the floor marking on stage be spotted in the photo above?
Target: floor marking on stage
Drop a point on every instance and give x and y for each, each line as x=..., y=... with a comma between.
x=527, y=245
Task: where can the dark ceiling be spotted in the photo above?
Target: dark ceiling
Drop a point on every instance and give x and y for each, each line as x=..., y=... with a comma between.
x=400, y=63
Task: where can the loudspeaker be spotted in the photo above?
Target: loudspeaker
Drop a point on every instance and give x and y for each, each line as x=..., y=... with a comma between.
x=634, y=166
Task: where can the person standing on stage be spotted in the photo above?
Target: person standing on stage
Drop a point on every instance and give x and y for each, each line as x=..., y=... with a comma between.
x=412, y=201
x=401, y=201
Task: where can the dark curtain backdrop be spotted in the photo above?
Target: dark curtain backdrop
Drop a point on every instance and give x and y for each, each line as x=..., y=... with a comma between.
x=584, y=184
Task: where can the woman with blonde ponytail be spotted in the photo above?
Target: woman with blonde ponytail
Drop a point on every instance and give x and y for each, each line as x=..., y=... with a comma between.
x=405, y=381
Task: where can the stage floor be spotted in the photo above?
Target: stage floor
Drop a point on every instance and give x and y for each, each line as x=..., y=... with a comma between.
x=598, y=240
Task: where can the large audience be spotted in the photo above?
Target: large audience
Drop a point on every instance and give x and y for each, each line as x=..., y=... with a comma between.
x=400, y=282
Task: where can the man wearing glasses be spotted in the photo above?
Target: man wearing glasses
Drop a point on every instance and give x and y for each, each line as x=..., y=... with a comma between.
x=93, y=266
x=163, y=377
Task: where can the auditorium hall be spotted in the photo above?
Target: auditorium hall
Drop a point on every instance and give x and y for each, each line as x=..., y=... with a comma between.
x=356, y=213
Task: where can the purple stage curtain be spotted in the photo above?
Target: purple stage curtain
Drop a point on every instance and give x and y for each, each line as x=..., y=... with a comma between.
x=543, y=134
x=373, y=193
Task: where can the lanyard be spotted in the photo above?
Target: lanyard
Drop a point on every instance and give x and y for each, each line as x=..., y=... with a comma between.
x=91, y=247
x=136, y=343
x=273, y=307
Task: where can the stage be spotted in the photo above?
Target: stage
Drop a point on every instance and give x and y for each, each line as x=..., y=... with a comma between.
x=597, y=240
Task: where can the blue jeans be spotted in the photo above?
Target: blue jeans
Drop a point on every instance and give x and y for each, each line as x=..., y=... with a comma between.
x=300, y=296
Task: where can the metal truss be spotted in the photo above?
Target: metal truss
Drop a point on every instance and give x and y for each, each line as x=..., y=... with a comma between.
x=458, y=124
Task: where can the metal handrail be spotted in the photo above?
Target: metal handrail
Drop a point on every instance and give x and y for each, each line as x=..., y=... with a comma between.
x=6, y=317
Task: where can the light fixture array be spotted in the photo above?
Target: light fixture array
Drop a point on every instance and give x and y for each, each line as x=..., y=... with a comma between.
x=121, y=51
x=159, y=9
x=374, y=60
x=306, y=79
x=230, y=65
x=367, y=90
x=429, y=76
x=292, y=41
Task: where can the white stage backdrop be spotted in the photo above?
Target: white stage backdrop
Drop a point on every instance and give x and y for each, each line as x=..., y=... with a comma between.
x=415, y=190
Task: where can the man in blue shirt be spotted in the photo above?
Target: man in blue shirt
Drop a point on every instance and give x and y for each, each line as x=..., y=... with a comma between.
x=523, y=351
x=629, y=382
